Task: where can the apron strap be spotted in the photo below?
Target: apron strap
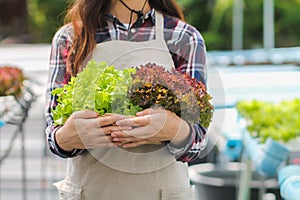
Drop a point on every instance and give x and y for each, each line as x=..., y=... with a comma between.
x=159, y=26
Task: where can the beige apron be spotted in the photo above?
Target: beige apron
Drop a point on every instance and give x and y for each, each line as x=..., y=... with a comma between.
x=147, y=172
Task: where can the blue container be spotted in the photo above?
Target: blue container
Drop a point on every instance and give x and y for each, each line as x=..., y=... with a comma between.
x=2, y=123
x=233, y=149
x=289, y=181
x=274, y=154
x=267, y=157
x=276, y=149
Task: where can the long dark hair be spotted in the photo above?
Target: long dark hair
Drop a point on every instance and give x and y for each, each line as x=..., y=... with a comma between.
x=87, y=15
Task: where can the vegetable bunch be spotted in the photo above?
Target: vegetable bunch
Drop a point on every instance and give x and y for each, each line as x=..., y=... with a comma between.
x=11, y=80
x=280, y=121
x=153, y=86
x=98, y=87
x=105, y=89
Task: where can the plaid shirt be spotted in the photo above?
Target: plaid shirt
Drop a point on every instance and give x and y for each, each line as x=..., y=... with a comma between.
x=185, y=44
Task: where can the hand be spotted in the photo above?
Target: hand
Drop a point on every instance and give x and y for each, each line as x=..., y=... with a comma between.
x=152, y=126
x=85, y=129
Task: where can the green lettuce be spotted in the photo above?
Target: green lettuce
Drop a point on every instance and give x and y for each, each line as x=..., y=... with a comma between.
x=98, y=87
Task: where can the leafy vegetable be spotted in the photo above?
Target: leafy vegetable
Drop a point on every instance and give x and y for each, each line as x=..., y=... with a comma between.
x=98, y=87
x=104, y=89
x=153, y=86
x=279, y=121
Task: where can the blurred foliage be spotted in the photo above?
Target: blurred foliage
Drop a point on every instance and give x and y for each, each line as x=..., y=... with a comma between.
x=287, y=22
x=213, y=18
x=46, y=16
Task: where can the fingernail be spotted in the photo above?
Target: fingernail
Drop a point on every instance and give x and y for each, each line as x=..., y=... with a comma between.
x=120, y=117
x=116, y=139
x=139, y=113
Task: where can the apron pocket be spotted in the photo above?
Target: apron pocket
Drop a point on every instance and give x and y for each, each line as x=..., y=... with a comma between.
x=178, y=194
x=68, y=190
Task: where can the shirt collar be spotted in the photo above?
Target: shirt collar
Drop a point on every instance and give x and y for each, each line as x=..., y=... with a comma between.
x=150, y=14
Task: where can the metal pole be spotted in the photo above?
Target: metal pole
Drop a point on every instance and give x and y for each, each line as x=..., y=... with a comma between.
x=268, y=27
x=244, y=188
x=237, y=24
x=23, y=154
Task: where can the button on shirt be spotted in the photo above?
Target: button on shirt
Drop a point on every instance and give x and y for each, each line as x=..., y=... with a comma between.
x=185, y=44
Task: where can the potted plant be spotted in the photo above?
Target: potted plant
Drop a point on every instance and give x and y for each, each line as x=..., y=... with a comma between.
x=11, y=80
x=11, y=83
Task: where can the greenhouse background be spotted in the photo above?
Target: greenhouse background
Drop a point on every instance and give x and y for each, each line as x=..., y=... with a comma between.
x=253, y=51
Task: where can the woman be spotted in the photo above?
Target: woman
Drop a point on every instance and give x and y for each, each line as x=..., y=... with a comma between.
x=113, y=157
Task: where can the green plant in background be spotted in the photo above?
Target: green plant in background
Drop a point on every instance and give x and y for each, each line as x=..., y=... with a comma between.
x=45, y=16
x=287, y=16
x=213, y=18
x=279, y=121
